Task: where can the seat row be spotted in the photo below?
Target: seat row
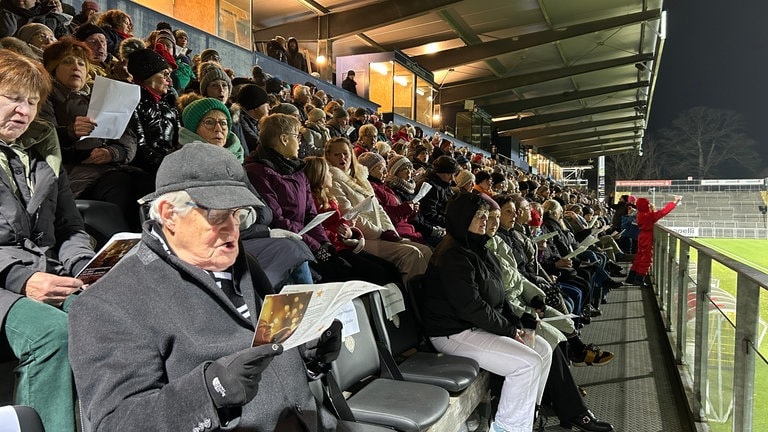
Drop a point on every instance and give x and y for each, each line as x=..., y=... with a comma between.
x=388, y=374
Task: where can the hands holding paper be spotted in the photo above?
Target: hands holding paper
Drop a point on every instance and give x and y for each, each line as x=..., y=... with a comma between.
x=51, y=289
x=83, y=126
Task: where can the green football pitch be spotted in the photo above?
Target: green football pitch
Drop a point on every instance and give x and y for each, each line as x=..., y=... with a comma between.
x=753, y=253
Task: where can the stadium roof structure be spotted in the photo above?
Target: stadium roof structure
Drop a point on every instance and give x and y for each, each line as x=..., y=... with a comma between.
x=573, y=79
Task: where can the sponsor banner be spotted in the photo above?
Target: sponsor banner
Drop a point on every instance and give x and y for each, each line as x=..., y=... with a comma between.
x=732, y=182
x=643, y=182
x=686, y=231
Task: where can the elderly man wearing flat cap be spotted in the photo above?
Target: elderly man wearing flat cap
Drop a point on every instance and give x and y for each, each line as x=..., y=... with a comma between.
x=102, y=62
x=163, y=341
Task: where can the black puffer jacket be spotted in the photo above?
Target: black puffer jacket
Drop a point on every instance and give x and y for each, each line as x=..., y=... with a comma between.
x=157, y=129
x=562, y=243
x=432, y=206
x=462, y=287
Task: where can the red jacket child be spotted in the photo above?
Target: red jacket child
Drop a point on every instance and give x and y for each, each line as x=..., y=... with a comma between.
x=647, y=216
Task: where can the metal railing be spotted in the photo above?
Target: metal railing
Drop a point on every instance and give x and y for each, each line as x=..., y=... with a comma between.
x=715, y=331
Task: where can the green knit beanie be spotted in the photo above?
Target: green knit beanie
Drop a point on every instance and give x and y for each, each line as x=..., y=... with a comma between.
x=195, y=112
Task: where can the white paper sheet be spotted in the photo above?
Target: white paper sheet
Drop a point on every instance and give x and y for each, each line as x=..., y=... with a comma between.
x=111, y=107
x=425, y=188
x=559, y=317
x=363, y=206
x=315, y=222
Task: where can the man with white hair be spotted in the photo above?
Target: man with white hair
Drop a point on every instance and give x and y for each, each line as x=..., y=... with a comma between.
x=163, y=341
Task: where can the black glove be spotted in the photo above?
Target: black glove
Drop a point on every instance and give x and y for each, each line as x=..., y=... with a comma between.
x=326, y=350
x=325, y=253
x=528, y=321
x=233, y=380
x=538, y=303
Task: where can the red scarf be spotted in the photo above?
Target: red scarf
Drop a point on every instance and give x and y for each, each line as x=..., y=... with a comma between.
x=156, y=97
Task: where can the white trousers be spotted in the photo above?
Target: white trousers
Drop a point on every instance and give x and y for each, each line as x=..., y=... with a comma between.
x=525, y=371
x=411, y=258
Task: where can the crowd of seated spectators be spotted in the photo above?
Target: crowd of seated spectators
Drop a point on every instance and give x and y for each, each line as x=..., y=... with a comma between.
x=305, y=152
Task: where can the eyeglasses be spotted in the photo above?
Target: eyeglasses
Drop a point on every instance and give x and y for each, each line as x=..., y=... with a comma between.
x=294, y=134
x=220, y=216
x=211, y=123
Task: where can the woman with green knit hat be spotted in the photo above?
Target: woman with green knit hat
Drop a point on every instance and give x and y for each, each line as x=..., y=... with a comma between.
x=208, y=120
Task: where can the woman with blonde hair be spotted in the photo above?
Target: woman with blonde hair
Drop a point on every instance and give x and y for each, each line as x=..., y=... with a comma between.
x=346, y=238
x=350, y=188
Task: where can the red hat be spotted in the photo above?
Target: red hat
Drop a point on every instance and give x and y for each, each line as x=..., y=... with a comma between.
x=535, y=219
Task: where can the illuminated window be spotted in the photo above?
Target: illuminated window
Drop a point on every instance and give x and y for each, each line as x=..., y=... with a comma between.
x=228, y=19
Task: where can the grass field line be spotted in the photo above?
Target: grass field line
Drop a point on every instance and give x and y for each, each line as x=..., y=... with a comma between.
x=744, y=260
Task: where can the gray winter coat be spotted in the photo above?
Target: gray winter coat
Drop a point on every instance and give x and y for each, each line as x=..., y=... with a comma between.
x=141, y=337
x=41, y=232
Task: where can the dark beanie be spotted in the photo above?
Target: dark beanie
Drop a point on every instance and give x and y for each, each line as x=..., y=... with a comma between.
x=251, y=96
x=445, y=165
x=144, y=63
x=86, y=30
x=273, y=85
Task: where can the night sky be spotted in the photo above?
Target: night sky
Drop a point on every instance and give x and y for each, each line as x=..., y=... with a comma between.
x=716, y=55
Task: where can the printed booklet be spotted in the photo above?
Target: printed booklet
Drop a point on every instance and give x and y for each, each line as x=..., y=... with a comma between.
x=116, y=248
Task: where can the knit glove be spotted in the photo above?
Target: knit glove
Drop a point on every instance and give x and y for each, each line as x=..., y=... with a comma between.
x=529, y=321
x=325, y=253
x=233, y=380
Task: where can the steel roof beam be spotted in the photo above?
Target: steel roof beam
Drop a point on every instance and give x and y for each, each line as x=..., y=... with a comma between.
x=560, y=139
x=545, y=131
x=507, y=108
x=476, y=89
x=586, y=145
x=474, y=53
x=565, y=115
x=336, y=25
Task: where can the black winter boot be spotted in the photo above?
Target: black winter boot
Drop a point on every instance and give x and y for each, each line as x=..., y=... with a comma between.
x=646, y=281
x=634, y=278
